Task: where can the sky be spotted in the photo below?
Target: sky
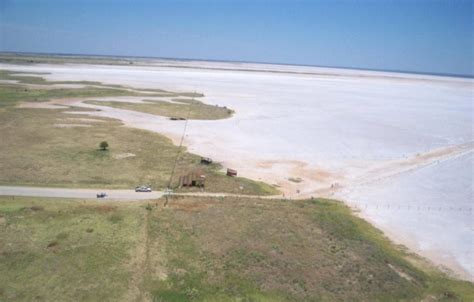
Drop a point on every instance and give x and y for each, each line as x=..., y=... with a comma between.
x=430, y=36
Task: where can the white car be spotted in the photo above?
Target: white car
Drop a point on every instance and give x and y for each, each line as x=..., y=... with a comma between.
x=143, y=189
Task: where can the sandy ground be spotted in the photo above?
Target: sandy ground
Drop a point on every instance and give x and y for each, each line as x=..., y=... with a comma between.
x=370, y=138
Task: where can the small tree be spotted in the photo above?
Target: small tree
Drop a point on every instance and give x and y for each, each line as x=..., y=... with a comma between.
x=103, y=146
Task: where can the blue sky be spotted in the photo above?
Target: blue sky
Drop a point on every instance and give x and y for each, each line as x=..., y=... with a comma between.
x=421, y=36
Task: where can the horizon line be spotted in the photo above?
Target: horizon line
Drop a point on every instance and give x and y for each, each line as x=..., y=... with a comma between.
x=239, y=61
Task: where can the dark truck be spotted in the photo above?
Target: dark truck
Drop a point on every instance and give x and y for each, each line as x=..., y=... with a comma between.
x=206, y=160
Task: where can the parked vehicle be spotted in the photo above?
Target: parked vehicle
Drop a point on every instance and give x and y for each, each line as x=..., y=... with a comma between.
x=101, y=195
x=143, y=189
x=206, y=160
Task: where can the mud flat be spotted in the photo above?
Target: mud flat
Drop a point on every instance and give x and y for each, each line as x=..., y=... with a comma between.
x=371, y=138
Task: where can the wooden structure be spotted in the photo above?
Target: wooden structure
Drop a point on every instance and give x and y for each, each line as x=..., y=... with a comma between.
x=231, y=172
x=206, y=160
x=192, y=180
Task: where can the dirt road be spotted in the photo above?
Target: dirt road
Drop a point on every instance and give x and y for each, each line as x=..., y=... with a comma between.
x=77, y=193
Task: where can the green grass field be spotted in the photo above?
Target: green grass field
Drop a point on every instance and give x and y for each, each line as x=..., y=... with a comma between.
x=25, y=59
x=204, y=249
x=188, y=109
x=12, y=93
x=56, y=250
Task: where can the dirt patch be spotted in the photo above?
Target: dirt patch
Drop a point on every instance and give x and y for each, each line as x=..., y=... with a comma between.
x=37, y=208
x=53, y=246
x=33, y=208
x=79, y=119
x=124, y=155
x=400, y=272
x=302, y=180
x=41, y=105
x=71, y=125
x=139, y=264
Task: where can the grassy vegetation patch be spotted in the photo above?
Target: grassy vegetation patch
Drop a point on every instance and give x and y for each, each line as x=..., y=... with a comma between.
x=189, y=110
x=191, y=269
x=296, y=180
x=10, y=93
x=13, y=58
x=38, y=149
x=27, y=78
x=36, y=152
x=50, y=255
x=263, y=250
x=205, y=249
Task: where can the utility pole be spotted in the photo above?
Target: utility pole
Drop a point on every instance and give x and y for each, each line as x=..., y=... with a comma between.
x=168, y=190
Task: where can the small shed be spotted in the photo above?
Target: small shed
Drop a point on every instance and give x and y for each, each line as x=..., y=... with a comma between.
x=192, y=180
x=231, y=172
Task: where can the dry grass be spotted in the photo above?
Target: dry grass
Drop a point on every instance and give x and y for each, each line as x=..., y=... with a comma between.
x=36, y=152
x=52, y=255
x=12, y=58
x=205, y=249
x=264, y=250
x=188, y=109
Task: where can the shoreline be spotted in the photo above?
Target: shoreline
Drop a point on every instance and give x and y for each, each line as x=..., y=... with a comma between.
x=434, y=258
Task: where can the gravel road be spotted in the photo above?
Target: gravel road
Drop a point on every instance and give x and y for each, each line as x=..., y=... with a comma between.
x=77, y=193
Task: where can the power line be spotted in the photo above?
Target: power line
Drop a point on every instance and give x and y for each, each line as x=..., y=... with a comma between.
x=179, y=152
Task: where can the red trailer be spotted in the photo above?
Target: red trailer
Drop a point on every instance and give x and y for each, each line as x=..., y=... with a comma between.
x=231, y=172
